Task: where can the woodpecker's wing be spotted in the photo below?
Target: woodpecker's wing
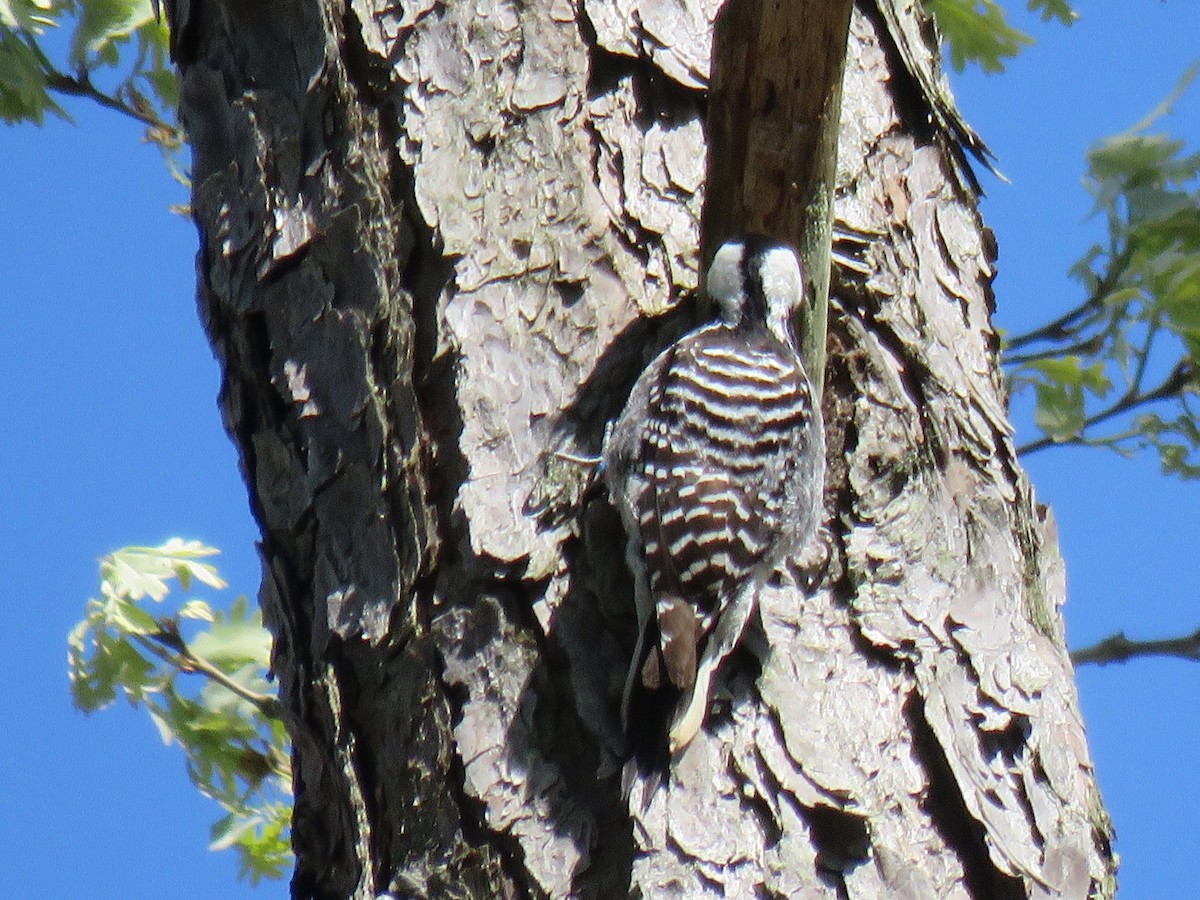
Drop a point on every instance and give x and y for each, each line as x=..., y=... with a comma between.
x=728, y=424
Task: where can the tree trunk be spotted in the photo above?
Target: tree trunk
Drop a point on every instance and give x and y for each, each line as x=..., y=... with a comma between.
x=430, y=238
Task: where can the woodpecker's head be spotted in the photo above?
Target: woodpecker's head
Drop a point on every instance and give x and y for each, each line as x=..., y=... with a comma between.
x=757, y=280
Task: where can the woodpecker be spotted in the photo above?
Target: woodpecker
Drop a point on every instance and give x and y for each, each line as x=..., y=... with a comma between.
x=716, y=466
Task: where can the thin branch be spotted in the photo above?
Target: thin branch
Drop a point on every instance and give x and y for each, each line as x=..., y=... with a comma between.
x=1087, y=347
x=168, y=646
x=1119, y=649
x=1063, y=328
x=1135, y=383
x=1072, y=322
x=1068, y=325
x=1172, y=386
x=81, y=86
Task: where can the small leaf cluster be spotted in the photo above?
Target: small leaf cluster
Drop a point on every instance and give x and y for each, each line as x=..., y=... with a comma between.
x=1119, y=370
x=205, y=690
x=121, y=43
x=977, y=31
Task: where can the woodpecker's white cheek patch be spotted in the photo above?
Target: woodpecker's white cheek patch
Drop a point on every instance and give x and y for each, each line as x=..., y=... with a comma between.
x=780, y=273
x=725, y=278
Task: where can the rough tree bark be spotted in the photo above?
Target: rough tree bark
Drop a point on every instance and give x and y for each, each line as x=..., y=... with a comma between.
x=432, y=234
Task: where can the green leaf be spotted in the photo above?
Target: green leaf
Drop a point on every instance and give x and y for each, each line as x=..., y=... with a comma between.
x=101, y=25
x=197, y=609
x=1129, y=157
x=977, y=32
x=228, y=643
x=1065, y=370
x=1122, y=297
x=1094, y=380
x=1054, y=9
x=31, y=16
x=114, y=664
x=1191, y=340
x=165, y=84
x=230, y=829
x=178, y=549
x=264, y=850
x=232, y=642
x=24, y=94
x=1059, y=413
x=1181, y=300
x=137, y=572
x=132, y=619
x=1069, y=371
x=202, y=572
x=166, y=728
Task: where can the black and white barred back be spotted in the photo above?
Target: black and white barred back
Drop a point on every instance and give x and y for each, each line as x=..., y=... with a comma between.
x=716, y=466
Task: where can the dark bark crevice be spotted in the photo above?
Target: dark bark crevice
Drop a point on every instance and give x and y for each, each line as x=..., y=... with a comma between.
x=921, y=91
x=964, y=834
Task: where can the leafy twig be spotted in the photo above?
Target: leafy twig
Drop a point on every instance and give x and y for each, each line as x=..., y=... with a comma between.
x=1173, y=385
x=169, y=646
x=1069, y=324
x=81, y=86
x=234, y=739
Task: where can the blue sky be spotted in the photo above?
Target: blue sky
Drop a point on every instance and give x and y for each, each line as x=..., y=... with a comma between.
x=114, y=438
x=1128, y=534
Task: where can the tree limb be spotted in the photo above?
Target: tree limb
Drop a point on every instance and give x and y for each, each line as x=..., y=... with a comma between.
x=81, y=86
x=1172, y=386
x=1118, y=649
x=1069, y=324
x=1086, y=347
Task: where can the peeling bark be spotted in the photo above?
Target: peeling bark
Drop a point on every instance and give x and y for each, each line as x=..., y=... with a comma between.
x=429, y=238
